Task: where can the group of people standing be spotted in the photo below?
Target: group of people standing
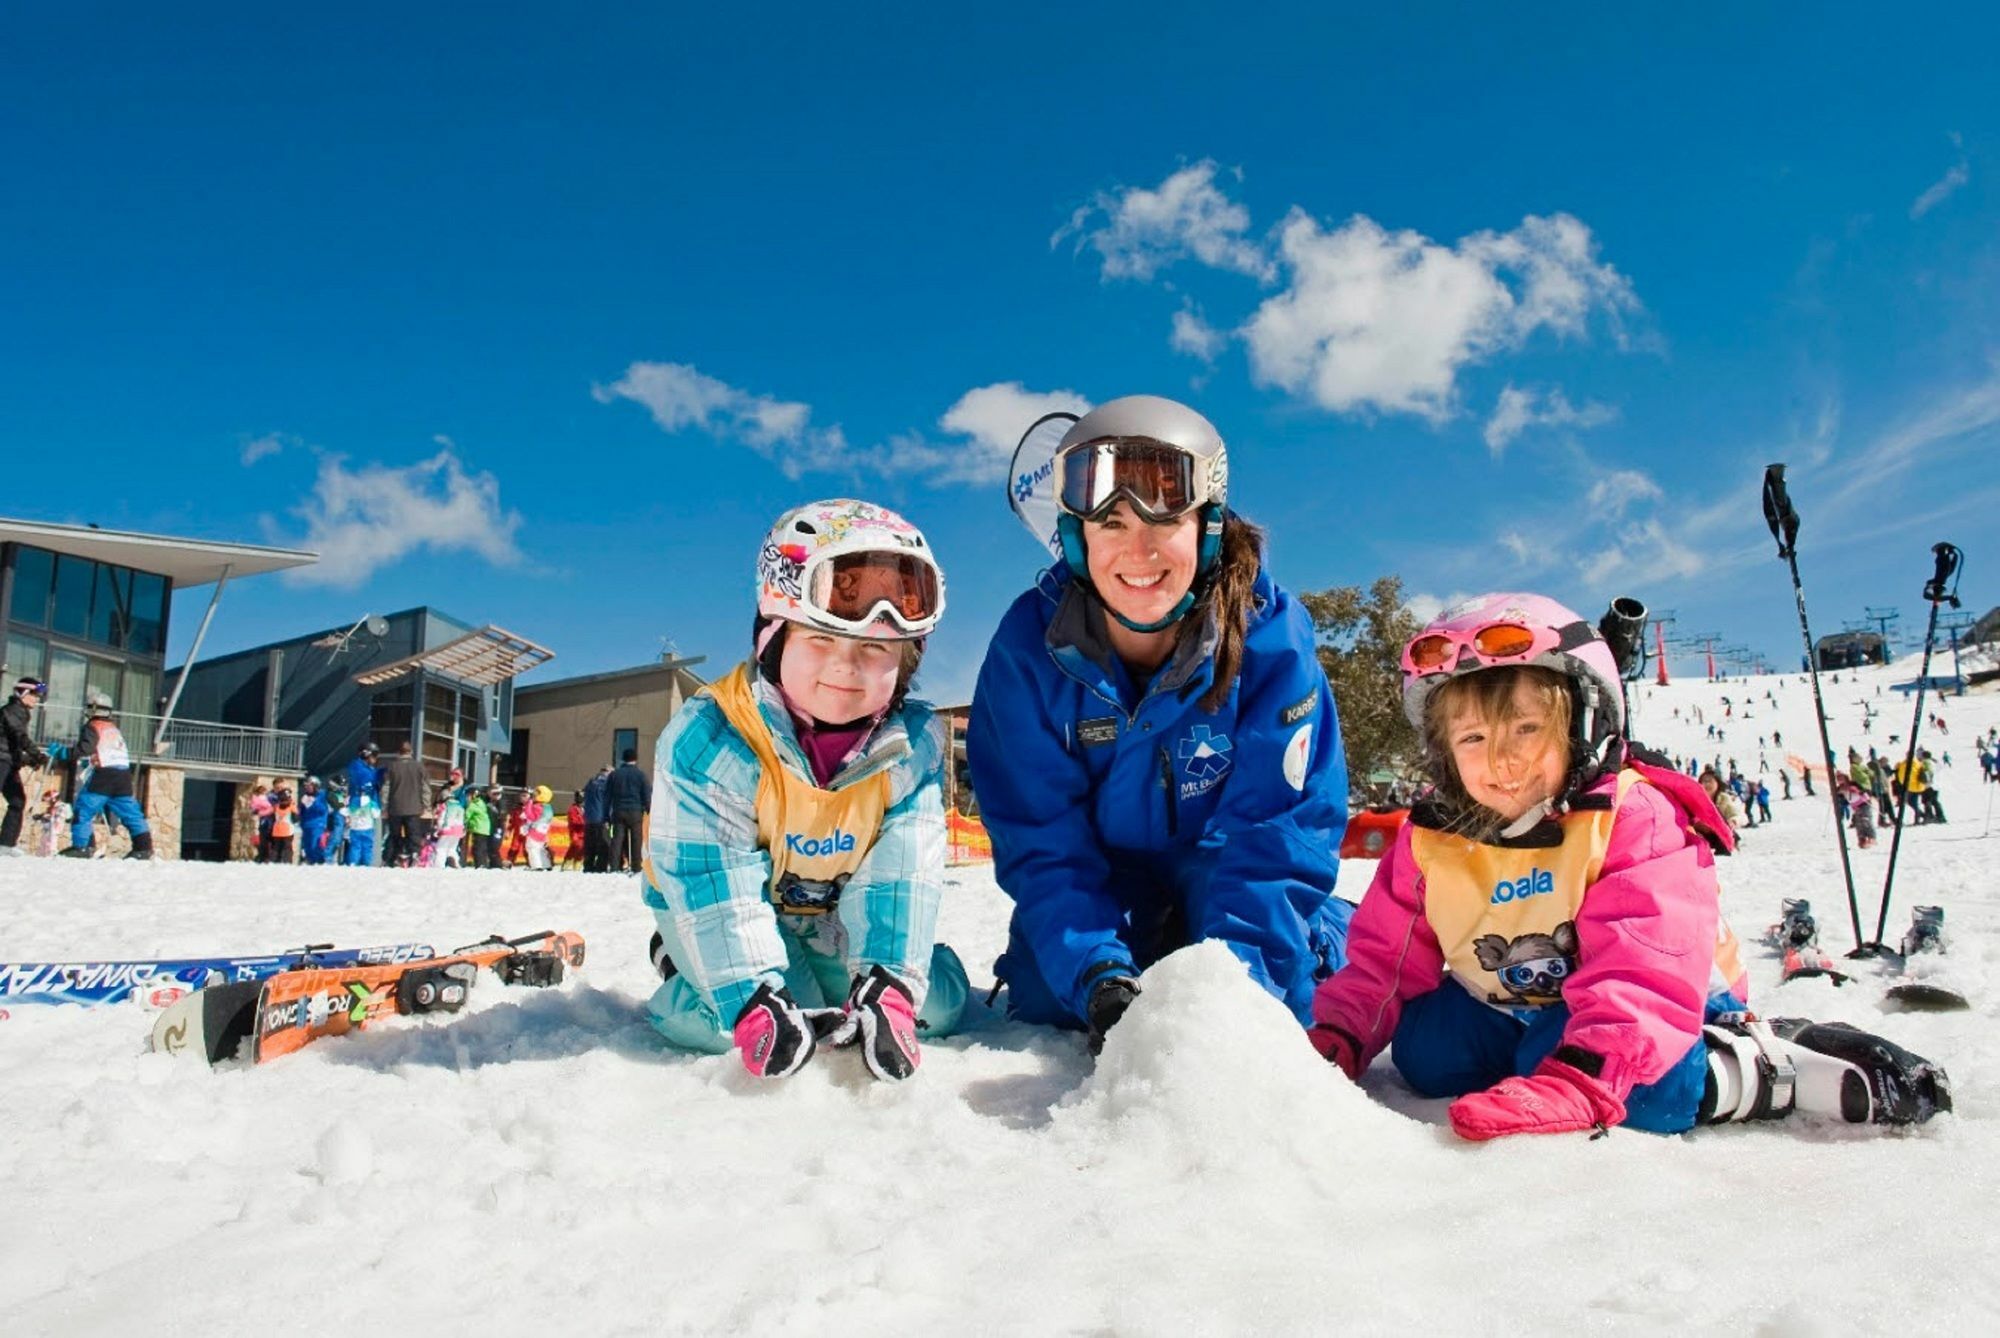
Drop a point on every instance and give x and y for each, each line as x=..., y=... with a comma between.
x=103, y=762
x=1158, y=762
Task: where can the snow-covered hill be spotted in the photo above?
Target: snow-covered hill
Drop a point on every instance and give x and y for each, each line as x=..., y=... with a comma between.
x=540, y=1163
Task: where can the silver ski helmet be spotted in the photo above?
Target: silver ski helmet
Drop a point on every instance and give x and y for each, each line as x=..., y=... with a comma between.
x=1158, y=454
x=98, y=703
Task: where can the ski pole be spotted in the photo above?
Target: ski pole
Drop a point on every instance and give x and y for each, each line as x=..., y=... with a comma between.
x=1783, y=519
x=1948, y=559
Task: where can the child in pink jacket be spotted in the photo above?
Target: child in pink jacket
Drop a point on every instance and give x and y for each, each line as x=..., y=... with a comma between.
x=1544, y=941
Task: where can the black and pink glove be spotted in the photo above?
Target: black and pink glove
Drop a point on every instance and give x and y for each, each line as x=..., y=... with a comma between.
x=774, y=1036
x=1557, y=1098
x=883, y=1018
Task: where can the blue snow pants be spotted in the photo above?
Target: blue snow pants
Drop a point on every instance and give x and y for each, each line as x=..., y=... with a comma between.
x=1448, y=1044
x=312, y=842
x=815, y=981
x=361, y=848
x=123, y=807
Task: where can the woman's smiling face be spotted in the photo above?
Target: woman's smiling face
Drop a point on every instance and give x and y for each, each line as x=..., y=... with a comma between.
x=1142, y=571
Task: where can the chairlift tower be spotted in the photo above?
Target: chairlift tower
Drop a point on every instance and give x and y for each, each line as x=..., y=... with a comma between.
x=1882, y=618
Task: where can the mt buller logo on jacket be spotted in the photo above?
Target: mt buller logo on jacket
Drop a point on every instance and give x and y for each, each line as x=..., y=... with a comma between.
x=839, y=843
x=1204, y=756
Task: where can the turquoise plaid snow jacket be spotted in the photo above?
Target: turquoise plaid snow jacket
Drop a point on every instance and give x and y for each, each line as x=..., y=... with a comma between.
x=707, y=877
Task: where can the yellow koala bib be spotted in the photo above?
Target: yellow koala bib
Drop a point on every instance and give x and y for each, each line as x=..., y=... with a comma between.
x=816, y=838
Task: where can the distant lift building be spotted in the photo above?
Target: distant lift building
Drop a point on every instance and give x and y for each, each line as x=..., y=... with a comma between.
x=421, y=676
x=87, y=609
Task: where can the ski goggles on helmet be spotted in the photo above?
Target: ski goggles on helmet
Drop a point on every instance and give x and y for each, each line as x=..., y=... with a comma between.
x=36, y=689
x=1161, y=482
x=1496, y=643
x=852, y=591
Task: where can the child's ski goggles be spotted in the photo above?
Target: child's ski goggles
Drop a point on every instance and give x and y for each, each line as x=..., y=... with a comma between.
x=1496, y=643
x=851, y=592
x=1161, y=482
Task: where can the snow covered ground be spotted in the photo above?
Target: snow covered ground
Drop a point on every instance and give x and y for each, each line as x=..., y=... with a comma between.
x=540, y=1162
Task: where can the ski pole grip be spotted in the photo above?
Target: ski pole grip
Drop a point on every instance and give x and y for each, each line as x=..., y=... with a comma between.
x=1935, y=590
x=1779, y=513
x=1623, y=628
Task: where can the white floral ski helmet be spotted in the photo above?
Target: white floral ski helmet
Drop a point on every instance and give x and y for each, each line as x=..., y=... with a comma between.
x=852, y=568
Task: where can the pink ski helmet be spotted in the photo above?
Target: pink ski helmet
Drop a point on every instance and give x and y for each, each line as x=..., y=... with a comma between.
x=1508, y=628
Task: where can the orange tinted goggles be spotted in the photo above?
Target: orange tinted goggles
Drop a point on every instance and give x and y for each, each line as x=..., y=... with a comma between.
x=1496, y=641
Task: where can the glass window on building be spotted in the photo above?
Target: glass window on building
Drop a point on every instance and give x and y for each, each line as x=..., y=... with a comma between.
x=66, y=689
x=138, y=690
x=390, y=717
x=34, y=573
x=149, y=614
x=74, y=578
x=623, y=740
x=102, y=676
x=27, y=657
x=111, y=607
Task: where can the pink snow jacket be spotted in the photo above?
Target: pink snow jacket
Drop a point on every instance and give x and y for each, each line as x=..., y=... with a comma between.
x=1615, y=910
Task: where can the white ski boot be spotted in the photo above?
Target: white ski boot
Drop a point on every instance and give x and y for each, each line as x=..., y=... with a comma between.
x=1767, y=1070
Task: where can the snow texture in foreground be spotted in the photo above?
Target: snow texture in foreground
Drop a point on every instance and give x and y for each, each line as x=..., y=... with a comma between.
x=540, y=1160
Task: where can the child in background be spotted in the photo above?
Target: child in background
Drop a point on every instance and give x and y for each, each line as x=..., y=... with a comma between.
x=450, y=830
x=284, y=826
x=536, y=818
x=1861, y=816
x=795, y=856
x=573, y=853
x=1544, y=943
x=51, y=818
x=364, y=816
x=312, y=822
x=334, y=850
x=260, y=814
x=478, y=830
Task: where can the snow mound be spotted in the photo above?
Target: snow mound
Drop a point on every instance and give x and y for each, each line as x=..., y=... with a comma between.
x=1208, y=1073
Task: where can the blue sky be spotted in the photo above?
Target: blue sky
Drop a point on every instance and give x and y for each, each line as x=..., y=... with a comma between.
x=542, y=319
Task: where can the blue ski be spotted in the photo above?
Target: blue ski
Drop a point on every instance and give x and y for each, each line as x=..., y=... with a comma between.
x=159, y=983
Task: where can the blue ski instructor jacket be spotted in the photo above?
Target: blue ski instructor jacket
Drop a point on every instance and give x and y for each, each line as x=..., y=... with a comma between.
x=1127, y=821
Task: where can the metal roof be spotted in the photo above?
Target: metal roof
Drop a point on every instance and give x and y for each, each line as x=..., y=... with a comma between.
x=485, y=657
x=184, y=562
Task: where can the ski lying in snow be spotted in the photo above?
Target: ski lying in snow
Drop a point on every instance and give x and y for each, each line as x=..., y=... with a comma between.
x=160, y=982
x=290, y=1010
x=1796, y=937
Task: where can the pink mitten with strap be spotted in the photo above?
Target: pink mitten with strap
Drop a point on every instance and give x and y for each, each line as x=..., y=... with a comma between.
x=1336, y=1047
x=1557, y=1098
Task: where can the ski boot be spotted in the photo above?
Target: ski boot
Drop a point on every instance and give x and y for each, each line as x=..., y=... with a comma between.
x=1926, y=932
x=1796, y=927
x=75, y=852
x=142, y=847
x=1760, y=1070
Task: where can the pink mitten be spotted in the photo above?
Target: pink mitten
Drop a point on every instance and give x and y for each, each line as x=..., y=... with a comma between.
x=1336, y=1047
x=1557, y=1098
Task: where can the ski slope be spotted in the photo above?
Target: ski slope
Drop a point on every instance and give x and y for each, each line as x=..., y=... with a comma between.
x=540, y=1162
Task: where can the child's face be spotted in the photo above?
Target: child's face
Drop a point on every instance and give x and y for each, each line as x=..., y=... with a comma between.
x=837, y=679
x=1509, y=767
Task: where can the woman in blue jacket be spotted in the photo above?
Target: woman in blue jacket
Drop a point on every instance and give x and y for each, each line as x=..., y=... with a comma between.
x=1153, y=741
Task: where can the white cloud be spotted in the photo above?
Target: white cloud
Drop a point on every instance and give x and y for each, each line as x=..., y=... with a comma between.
x=1615, y=492
x=987, y=420
x=360, y=520
x=256, y=448
x=1144, y=231
x=679, y=397
x=1373, y=320
x=1425, y=607
x=1194, y=336
x=1640, y=557
x=993, y=418
x=1942, y=189
x=1519, y=545
x=1515, y=412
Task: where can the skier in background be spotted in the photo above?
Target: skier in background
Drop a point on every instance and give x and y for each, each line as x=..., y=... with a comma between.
x=1544, y=943
x=478, y=831
x=795, y=857
x=18, y=751
x=364, y=819
x=107, y=784
x=312, y=821
x=536, y=818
